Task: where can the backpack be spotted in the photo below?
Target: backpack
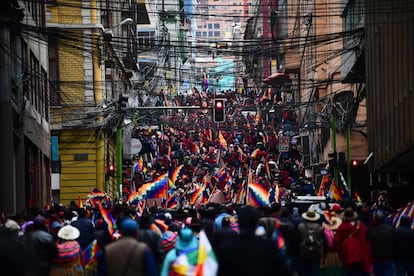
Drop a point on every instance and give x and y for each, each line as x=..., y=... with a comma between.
x=311, y=246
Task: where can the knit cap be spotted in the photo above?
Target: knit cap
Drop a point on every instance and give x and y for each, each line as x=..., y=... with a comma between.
x=168, y=240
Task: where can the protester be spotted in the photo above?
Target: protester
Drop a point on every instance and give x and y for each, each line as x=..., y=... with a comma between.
x=183, y=257
x=249, y=254
x=168, y=240
x=127, y=256
x=151, y=238
x=403, y=238
x=69, y=259
x=351, y=241
x=15, y=257
x=331, y=263
x=380, y=236
x=85, y=227
x=42, y=246
x=224, y=233
x=310, y=238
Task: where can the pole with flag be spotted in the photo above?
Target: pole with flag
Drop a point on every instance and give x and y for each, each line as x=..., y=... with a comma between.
x=207, y=264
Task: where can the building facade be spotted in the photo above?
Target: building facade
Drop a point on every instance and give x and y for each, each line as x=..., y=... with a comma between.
x=389, y=69
x=24, y=107
x=89, y=58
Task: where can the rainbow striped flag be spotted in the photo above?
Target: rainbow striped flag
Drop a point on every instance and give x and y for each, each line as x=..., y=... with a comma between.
x=274, y=195
x=334, y=192
x=139, y=166
x=258, y=117
x=154, y=189
x=322, y=186
x=175, y=173
x=90, y=254
x=255, y=153
x=195, y=148
x=207, y=264
x=241, y=194
x=357, y=197
x=221, y=175
x=408, y=210
x=258, y=195
x=108, y=218
x=222, y=141
x=172, y=202
x=198, y=191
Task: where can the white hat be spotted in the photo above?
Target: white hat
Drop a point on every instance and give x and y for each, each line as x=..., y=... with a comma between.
x=12, y=225
x=68, y=232
x=311, y=215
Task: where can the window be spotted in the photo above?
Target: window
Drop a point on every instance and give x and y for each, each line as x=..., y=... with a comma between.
x=210, y=26
x=146, y=40
x=54, y=85
x=216, y=26
x=45, y=93
x=210, y=33
x=217, y=33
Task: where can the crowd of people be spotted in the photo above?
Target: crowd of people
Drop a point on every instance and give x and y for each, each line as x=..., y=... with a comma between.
x=192, y=233
x=333, y=239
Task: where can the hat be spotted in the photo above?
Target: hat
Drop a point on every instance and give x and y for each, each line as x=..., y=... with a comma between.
x=39, y=221
x=12, y=225
x=56, y=224
x=168, y=240
x=336, y=208
x=68, y=232
x=128, y=227
x=311, y=215
x=186, y=240
x=332, y=222
x=349, y=214
x=168, y=216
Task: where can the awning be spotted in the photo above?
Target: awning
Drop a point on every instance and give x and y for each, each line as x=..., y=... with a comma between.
x=278, y=76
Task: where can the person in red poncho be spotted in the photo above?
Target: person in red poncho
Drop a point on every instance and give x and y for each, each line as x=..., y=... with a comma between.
x=351, y=242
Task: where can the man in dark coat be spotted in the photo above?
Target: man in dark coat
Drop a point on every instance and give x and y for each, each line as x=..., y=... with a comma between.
x=224, y=233
x=404, y=243
x=85, y=227
x=248, y=254
x=127, y=256
x=379, y=236
x=42, y=247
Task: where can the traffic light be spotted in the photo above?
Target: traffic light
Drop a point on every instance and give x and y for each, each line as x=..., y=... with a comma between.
x=221, y=45
x=111, y=170
x=218, y=110
x=122, y=103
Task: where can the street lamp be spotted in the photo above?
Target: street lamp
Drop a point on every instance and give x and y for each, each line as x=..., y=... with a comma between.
x=127, y=21
x=108, y=34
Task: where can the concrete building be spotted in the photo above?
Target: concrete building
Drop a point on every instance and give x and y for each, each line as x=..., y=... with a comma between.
x=311, y=47
x=389, y=69
x=24, y=107
x=220, y=26
x=90, y=60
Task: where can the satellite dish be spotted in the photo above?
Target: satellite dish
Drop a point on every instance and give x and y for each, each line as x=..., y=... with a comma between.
x=136, y=146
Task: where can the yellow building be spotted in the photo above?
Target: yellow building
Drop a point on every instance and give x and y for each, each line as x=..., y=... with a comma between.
x=86, y=77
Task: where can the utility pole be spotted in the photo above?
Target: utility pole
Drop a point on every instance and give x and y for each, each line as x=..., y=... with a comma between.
x=348, y=158
x=122, y=102
x=335, y=168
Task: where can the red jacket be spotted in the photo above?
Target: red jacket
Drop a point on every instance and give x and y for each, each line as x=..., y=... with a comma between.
x=343, y=232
